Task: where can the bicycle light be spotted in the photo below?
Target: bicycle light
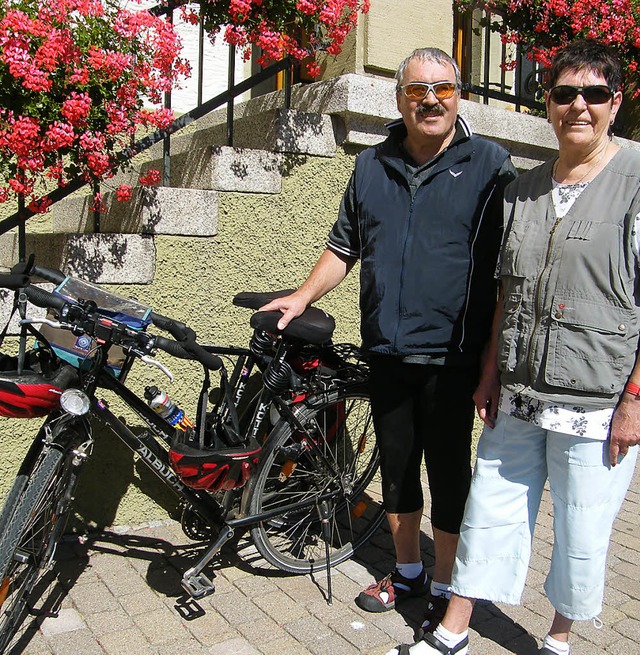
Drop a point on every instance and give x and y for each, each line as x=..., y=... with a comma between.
x=75, y=402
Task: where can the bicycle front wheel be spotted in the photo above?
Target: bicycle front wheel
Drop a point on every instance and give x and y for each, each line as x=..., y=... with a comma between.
x=344, y=469
x=28, y=543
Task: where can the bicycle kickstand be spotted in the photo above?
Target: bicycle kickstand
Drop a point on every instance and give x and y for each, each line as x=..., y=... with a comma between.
x=196, y=583
x=325, y=513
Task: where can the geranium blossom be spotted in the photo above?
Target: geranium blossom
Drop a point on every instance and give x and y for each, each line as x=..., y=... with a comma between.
x=542, y=27
x=297, y=28
x=73, y=76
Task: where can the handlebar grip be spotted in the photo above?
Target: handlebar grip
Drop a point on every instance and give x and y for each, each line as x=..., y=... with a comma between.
x=49, y=274
x=165, y=323
x=172, y=347
x=43, y=298
x=189, y=350
x=211, y=361
x=13, y=280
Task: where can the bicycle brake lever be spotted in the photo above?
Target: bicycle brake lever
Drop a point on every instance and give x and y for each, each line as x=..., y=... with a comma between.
x=39, y=321
x=154, y=362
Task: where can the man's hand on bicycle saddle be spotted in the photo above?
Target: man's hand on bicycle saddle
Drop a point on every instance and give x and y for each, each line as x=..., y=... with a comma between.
x=291, y=307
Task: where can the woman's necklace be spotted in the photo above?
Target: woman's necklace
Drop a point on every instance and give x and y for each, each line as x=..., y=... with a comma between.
x=592, y=168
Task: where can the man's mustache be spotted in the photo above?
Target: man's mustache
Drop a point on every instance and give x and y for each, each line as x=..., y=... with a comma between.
x=423, y=110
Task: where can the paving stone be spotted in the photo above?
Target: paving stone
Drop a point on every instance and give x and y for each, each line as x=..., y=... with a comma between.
x=182, y=647
x=629, y=586
x=106, y=622
x=131, y=642
x=280, y=607
x=210, y=628
x=76, y=642
x=93, y=598
x=286, y=645
x=361, y=634
x=67, y=620
x=629, y=628
x=308, y=630
x=238, y=646
x=256, y=586
x=138, y=603
x=34, y=643
x=393, y=625
x=332, y=645
x=160, y=626
x=623, y=647
x=237, y=608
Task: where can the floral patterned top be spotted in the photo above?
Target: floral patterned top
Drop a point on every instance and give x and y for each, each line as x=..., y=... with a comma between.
x=561, y=417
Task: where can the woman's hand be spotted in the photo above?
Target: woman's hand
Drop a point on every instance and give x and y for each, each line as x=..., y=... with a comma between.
x=487, y=395
x=625, y=427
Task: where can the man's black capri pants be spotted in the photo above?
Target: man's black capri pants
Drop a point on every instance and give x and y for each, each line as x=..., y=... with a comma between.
x=424, y=410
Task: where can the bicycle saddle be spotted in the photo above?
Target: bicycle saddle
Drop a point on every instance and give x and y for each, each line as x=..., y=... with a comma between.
x=313, y=325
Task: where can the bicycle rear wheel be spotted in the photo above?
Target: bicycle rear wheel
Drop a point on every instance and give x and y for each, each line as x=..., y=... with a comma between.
x=28, y=543
x=339, y=422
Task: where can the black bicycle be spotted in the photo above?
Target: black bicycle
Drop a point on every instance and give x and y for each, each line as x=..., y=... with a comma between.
x=283, y=444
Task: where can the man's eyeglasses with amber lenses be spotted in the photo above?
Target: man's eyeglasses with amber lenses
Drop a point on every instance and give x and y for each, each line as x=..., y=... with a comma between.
x=420, y=90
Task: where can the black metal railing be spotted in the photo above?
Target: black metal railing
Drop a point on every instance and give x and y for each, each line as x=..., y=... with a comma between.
x=483, y=74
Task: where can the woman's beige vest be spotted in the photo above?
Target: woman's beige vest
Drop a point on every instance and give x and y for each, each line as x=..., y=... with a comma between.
x=571, y=318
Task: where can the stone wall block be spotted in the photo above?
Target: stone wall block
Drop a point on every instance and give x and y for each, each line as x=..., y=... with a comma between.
x=187, y=212
x=110, y=258
x=245, y=171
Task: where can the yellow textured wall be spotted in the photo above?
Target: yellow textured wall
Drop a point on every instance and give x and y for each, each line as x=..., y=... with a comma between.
x=264, y=243
x=389, y=32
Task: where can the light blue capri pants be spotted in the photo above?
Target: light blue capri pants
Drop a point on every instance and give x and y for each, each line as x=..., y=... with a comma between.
x=515, y=458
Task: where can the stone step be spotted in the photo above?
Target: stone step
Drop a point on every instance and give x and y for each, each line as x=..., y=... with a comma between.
x=278, y=130
x=100, y=258
x=152, y=210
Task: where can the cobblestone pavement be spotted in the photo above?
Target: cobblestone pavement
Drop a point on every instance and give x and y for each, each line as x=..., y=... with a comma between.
x=119, y=593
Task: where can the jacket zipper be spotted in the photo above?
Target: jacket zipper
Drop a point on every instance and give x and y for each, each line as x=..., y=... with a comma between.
x=402, y=267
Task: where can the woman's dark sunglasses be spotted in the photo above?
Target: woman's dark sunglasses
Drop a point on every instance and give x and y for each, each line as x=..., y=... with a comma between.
x=565, y=94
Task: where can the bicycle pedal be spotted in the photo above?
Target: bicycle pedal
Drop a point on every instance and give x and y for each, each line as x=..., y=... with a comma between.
x=198, y=585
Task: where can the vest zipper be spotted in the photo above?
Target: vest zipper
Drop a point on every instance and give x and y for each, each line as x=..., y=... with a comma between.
x=536, y=304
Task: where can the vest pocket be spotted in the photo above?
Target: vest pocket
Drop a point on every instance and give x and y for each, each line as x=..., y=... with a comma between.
x=588, y=346
x=508, y=334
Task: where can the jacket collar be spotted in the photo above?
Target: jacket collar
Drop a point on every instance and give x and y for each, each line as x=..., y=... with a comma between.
x=391, y=151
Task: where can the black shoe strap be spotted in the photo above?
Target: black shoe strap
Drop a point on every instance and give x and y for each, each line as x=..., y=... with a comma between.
x=433, y=641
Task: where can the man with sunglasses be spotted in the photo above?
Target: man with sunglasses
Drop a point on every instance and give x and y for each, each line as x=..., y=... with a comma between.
x=423, y=214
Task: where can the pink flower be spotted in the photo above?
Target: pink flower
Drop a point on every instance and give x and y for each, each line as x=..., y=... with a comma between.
x=152, y=177
x=76, y=108
x=124, y=193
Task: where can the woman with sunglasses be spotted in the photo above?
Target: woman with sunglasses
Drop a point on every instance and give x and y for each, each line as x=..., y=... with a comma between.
x=560, y=389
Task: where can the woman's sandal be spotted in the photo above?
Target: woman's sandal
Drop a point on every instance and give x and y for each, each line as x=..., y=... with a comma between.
x=434, y=642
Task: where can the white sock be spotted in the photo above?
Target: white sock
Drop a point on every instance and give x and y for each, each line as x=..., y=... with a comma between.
x=441, y=589
x=448, y=638
x=411, y=571
x=555, y=646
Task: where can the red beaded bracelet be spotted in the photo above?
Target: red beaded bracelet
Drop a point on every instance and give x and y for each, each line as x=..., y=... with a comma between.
x=632, y=388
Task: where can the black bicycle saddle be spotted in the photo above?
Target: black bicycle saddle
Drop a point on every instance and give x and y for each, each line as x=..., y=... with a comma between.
x=313, y=325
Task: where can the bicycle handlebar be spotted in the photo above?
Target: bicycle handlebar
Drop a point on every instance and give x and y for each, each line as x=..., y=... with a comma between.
x=43, y=298
x=49, y=274
x=185, y=345
x=13, y=281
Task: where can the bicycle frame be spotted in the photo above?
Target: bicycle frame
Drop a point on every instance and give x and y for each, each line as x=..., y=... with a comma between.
x=155, y=457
